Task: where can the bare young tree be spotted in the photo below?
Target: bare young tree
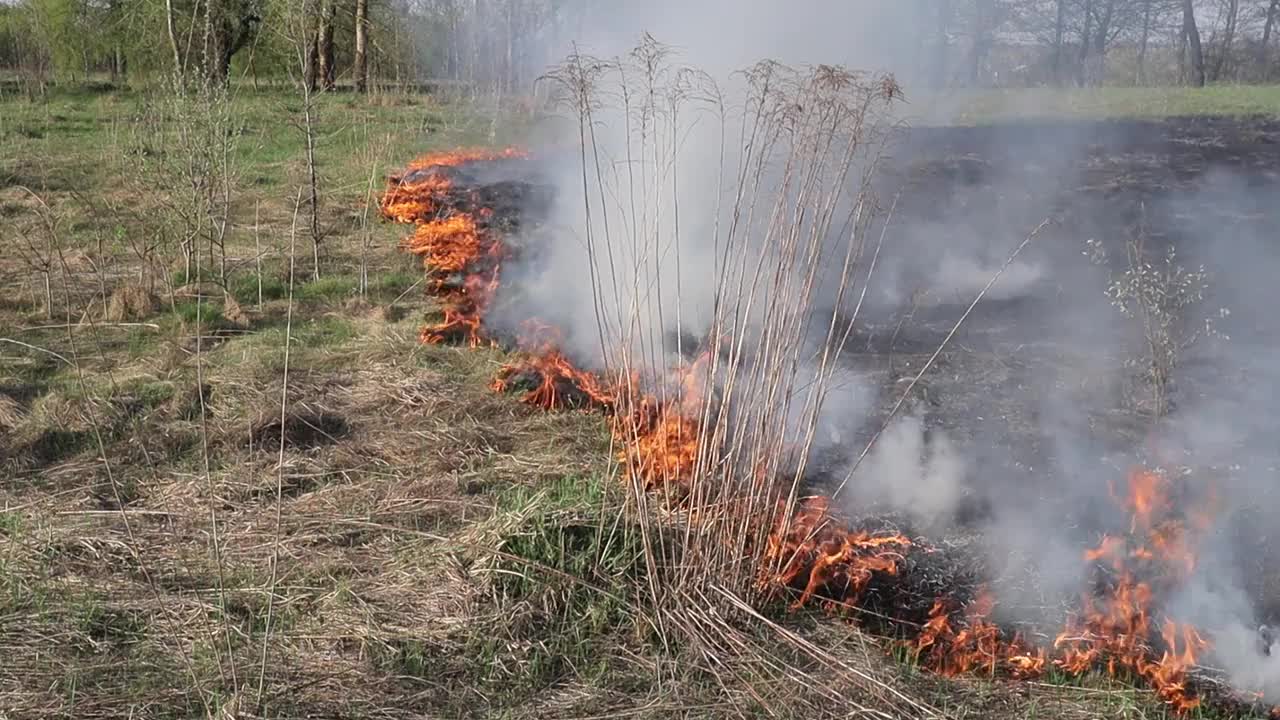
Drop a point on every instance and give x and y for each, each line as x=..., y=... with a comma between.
x=1143, y=42
x=1163, y=298
x=303, y=28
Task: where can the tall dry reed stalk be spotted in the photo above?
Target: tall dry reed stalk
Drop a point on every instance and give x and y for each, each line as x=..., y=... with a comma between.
x=791, y=154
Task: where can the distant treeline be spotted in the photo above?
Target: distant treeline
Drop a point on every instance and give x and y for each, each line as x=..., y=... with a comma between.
x=502, y=44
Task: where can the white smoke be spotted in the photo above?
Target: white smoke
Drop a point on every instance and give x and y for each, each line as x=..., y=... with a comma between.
x=949, y=247
x=912, y=470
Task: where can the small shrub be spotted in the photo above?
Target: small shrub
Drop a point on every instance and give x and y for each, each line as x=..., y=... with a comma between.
x=1163, y=297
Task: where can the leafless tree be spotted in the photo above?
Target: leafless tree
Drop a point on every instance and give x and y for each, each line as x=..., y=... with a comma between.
x=1268, y=26
x=1191, y=43
x=1230, y=11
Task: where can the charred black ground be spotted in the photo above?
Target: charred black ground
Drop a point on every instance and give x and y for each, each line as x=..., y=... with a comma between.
x=1018, y=388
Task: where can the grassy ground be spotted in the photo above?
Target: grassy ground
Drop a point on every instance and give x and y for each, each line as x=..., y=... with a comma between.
x=985, y=106
x=397, y=542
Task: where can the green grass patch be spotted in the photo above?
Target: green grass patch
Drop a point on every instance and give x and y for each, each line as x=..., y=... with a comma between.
x=100, y=624
x=10, y=524
x=261, y=353
x=390, y=286
x=567, y=580
x=244, y=288
x=141, y=342
x=326, y=289
x=52, y=445
x=333, y=289
x=986, y=106
x=202, y=313
x=322, y=332
x=148, y=391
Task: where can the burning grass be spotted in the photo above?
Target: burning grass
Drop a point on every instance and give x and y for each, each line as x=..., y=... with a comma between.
x=804, y=552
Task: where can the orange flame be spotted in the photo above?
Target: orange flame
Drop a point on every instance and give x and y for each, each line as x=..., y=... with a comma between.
x=812, y=552
x=808, y=553
x=1116, y=628
x=415, y=195
x=978, y=645
x=454, y=245
x=462, y=156
x=557, y=383
x=447, y=245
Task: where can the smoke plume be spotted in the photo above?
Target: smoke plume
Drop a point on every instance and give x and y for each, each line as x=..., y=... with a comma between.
x=1025, y=423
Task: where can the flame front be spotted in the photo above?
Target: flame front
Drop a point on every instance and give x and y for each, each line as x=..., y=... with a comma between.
x=810, y=556
x=975, y=644
x=811, y=552
x=462, y=257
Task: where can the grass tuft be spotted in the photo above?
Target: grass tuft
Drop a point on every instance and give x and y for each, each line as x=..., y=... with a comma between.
x=564, y=582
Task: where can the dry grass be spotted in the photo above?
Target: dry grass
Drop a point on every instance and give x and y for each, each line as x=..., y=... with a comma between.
x=130, y=303
x=366, y=544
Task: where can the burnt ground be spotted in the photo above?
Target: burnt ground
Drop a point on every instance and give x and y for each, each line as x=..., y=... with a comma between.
x=1035, y=389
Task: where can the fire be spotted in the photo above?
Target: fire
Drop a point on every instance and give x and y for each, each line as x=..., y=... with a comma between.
x=1115, y=627
x=815, y=554
x=462, y=156
x=974, y=644
x=460, y=253
x=445, y=245
x=809, y=555
x=416, y=195
x=552, y=382
x=660, y=445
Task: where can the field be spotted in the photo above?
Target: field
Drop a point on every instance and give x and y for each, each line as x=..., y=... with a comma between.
x=273, y=501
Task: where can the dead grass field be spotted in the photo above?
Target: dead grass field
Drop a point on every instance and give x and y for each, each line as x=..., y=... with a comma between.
x=293, y=509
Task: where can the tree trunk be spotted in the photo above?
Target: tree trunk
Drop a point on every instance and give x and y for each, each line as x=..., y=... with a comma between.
x=1228, y=37
x=1193, y=38
x=1272, y=10
x=217, y=57
x=509, y=71
x=328, y=73
x=1182, y=54
x=1059, y=30
x=1141, y=77
x=981, y=32
x=310, y=60
x=360, y=61
x=173, y=36
x=1098, y=64
x=1086, y=36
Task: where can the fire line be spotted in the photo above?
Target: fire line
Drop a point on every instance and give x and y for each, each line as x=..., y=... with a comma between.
x=811, y=556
